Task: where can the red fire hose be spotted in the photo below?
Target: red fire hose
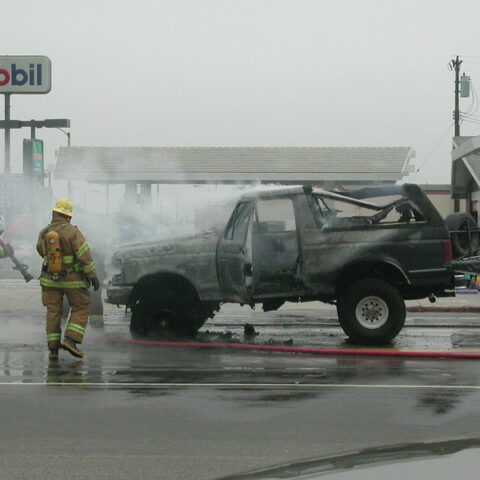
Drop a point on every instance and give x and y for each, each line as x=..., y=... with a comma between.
x=372, y=352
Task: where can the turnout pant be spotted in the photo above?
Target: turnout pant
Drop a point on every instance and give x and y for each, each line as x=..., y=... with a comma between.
x=79, y=301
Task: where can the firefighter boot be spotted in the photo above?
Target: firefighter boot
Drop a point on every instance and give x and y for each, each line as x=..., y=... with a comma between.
x=71, y=347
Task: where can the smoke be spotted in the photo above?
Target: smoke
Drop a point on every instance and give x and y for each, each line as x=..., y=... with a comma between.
x=112, y=214
x=21, y=331
x=119, y=214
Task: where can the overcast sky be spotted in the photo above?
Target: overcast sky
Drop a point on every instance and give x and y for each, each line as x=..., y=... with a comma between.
x=248, y=73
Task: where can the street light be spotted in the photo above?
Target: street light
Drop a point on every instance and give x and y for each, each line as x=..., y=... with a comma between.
x=69, y=183
x=33, y=124
x=66, y=133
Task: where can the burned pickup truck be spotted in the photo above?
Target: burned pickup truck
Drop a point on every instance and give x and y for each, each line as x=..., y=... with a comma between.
x=365, y=251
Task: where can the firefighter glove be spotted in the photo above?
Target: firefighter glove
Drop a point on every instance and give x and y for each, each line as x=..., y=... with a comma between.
x=95, y=283
x=8, y=250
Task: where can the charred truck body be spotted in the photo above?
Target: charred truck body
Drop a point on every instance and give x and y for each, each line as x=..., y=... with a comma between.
x=366, y=251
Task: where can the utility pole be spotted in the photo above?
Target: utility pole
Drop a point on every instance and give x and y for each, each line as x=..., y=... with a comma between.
x=7, y=134
x=32, y=130
x=455, y=65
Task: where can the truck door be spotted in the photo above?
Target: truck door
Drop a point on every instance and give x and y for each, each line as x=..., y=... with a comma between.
x=234, y=256
x=275, y=249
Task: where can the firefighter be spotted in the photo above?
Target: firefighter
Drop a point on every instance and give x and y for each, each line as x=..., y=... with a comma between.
x=68, y=269
x=6, y=250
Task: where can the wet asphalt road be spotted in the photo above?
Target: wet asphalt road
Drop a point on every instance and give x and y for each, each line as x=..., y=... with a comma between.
x=132, y=411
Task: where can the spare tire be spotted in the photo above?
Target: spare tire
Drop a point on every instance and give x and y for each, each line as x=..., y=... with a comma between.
x=463, y=243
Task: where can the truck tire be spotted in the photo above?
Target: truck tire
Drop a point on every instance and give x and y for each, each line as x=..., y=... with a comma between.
x=371, y=311
x=460, y=241
x=169, y=313
x=138, y=325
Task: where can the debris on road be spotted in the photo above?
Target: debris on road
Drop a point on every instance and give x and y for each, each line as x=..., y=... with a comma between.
x=249, y=330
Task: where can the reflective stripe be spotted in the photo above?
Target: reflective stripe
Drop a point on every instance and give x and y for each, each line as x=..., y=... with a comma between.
x=53, y=336
x=75, y=328
x=46, y=282
x=2, y=253
x=66, y=259
x=83, y=248
x=89, y=267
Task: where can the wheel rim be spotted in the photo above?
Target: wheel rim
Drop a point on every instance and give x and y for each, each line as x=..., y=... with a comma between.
x=162, y=320
x=372, y=312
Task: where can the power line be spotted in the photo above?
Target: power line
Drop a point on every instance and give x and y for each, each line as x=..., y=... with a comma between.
x=472, y=120
x=433, y=150
x=475, y=121
x=474, y=95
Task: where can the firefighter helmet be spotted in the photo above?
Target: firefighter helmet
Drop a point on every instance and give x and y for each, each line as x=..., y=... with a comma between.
x=64, y=206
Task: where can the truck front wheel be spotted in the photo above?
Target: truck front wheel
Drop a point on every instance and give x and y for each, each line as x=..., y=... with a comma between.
x=371, y=311
x=168, y=313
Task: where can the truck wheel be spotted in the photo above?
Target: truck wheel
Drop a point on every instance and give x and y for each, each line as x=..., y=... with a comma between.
x=461, y=244
x=171, y=313
x=371, y=311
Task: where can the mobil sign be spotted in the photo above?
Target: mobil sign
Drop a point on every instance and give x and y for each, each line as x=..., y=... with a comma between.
x=25, y=74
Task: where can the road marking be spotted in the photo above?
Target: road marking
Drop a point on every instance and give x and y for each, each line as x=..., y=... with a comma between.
x=243, y=385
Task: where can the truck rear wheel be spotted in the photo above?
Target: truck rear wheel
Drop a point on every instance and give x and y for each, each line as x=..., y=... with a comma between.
x=371, y=311
x=169, y=313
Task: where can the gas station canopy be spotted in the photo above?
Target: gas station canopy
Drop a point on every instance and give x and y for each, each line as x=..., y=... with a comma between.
x=286, y=165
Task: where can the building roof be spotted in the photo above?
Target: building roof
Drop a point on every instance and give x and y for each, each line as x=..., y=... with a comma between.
x=233, y=164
